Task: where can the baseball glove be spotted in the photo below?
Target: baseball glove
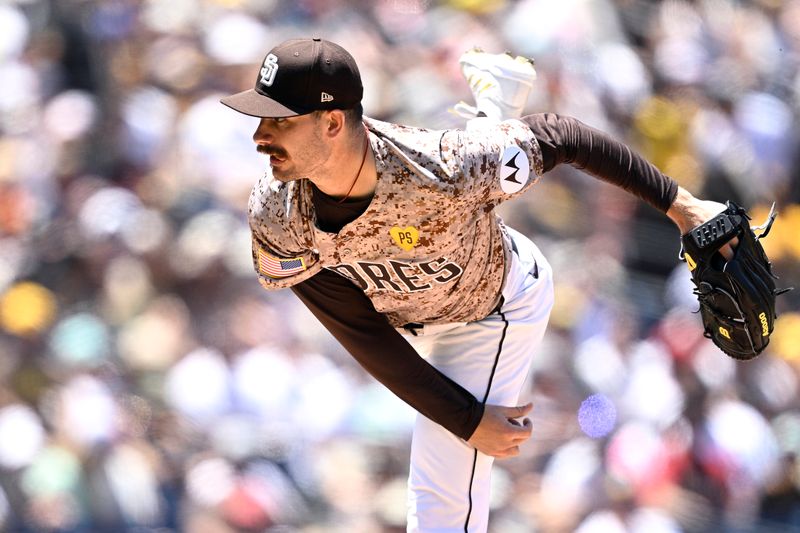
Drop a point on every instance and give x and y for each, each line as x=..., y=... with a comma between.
x=737, y=297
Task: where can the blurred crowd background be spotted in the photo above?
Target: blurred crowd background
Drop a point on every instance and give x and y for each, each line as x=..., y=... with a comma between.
x=148, y=383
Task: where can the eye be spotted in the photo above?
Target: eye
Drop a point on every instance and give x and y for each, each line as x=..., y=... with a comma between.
x=279, y=120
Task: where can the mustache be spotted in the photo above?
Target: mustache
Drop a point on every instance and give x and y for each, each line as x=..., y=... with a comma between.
x=271, y=150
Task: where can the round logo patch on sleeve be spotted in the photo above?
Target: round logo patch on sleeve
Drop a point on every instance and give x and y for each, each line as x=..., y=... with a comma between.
x=514, y=169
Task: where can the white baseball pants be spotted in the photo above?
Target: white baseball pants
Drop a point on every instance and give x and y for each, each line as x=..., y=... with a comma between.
x=449, y=481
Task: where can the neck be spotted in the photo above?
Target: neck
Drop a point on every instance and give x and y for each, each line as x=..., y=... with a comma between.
x=352, y=175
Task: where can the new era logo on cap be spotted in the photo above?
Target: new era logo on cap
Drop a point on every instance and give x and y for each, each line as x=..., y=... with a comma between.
x=300, y=76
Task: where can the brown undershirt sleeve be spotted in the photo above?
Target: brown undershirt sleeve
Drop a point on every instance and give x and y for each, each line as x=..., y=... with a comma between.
x=567, y=140
x=349, y=315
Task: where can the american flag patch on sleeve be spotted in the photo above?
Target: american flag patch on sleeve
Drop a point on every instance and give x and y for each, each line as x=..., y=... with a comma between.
x=275, y=267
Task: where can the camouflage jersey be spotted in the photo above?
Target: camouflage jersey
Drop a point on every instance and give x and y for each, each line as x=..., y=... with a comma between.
x=429, y=248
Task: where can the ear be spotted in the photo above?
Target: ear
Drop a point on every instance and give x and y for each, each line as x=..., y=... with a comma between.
x=334, y=122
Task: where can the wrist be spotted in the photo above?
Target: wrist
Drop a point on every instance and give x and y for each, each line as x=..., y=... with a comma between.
x=681, y=210
x=688, y=212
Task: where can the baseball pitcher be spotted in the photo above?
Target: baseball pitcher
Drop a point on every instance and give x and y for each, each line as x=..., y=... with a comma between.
x=389, y=235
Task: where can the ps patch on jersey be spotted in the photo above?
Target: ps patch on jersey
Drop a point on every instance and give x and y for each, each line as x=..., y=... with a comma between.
x=275, y=267
x=514, y=169
x=406, y=238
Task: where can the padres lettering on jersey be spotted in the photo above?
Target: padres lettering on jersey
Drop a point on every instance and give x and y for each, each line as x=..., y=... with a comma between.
x=399, y=276
x=430, y=228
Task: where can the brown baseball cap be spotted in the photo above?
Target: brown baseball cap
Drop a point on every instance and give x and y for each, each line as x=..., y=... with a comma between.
x=300, y=76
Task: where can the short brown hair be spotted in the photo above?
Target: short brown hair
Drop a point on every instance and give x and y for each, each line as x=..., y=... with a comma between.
x=354, y=115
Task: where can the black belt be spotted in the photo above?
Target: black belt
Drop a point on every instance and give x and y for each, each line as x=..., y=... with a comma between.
x=413, y=328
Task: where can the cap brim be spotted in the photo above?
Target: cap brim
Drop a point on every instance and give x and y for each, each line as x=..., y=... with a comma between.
x=257, y=105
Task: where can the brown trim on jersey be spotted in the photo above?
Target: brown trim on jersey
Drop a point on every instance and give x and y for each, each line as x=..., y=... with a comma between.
x=568, y=140
x=349, y=315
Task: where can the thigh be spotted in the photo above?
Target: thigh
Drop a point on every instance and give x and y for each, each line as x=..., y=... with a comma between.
x=448, y=479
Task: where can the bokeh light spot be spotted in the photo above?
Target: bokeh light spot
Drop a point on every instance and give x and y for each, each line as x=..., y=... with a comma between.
x=27, y=308
x=597, y=416
x=21, y=436
x=81, y=338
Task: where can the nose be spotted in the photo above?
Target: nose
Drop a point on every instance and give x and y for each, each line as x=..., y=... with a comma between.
x=263, y=135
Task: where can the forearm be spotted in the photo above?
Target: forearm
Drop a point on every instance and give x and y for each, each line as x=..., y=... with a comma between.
x=567, y=140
